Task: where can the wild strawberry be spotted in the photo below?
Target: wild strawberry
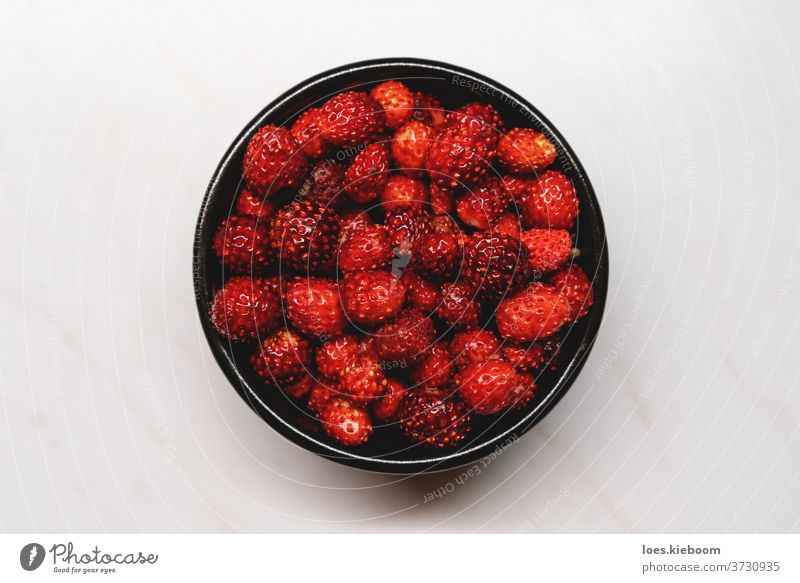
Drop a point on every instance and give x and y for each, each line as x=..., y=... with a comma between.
x=367, y=175
x=304, y=235
x=242, y=243
x=433, y=419
x=446, y=224
x=406, y=338
x=551, y=351
x=475, y=115
x=320, y=395
x=307, y=130
x=460, y=156
x=335, y=354
x=409, y=145
x=437, y=255
x=245, y=308
x=405, y=226
x=346, y=423
x=300, y=388
x=573, y=285
x=325, y=183
x=474, y=346
x=366, y=346
x=429, y=110
x=248, y=203
x=312, y=306
x=495, y=264
x=550, y=202
x=365, y=249
x=524, y=392
x=384, y=407
x=442, y=199
x=436, y=368
x=402, y=191
x=490, y=386
x=518, y=187
x=396, y=100
x=482, y=207
x=273, y=160
x=421, y=293
x=548, y=248
x=372, y=297
x=526, y=358
x=525, y=150
x=282, y=358
x=362, y=379
x=508, y=224
x=459, y=306
x=352, y=218
x=352, y=118
x=535, y=312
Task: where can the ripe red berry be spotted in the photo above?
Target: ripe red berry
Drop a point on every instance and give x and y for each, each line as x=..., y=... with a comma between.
x=345, y=422
x=396, y=100
x=550, y=202
x=241, y=243
x=535, y=312
x=526, y=357
x=524, y=392
x=320, y=395
x=273, y=160
x=300, y=388
x=460, y=156
x=429, y=110
x=371, y=297
x=362, y=379
x=474, y=346
x=479, y=116
x=312, y=306
x=548, y=248
x=442, y=200
x=402, y=191
x=509, y=224
x=282, y=358
x=405, y=339
x=482, y=207
x=365, y=249
x=490, y=386
x=334, y=354
x=384, y=407
x=245, y=308
x=421, y=293
x=437, y=255
x=495, y=264
x=307, y=131
x=248, y=203
x=325, y=183
x=367, y=175
x=352, y=218
x=433, y=419
x=304, y=235
x=459, y=307
x=405, y=226
x=573, y=285
x=525, y=150
x=352, y=118
x=436, y=369
x=409, y=145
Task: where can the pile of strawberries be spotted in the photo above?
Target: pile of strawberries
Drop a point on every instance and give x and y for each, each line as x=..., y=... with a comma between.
x=397, y=264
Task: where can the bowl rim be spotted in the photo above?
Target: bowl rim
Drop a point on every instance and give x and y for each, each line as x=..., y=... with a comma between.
x=430, y=463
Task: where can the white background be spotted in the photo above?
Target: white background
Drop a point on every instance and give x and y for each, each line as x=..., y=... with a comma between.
x=114, y=416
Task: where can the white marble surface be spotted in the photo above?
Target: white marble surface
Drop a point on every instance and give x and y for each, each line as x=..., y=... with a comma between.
x=114, y=414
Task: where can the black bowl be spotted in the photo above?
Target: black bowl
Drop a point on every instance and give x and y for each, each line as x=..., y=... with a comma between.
x=391, y=453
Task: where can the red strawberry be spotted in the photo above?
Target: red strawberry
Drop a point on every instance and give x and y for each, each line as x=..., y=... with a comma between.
x=405, y=226
x=460, y=156
x=526, y=358
x=304, y=235
x=241, y=243
x=483, y=206
x=367, y=175
x=442, y=200
x=353, y=218
x=536, y=312
x=573, y=285
x=384, y=407
x=524, y=392
x=437, y=255
x=372, y=297
x=282, y=358
x=308, y=132
x=525, y=150
x=436, y=368
x=352, y=118
x=549, y=248
x=519, y=186
x=335, y=354
x=402, y=192
x=300, y=388
x=489, y=387
x=459, y=307
x=324, y=185
x=406, y=338
x=273, y=160
x=421, y=293
x=245, y=308
x=345, y=422
x=433, y=419
x=474, y=346
x=396, y=100
x=365, y=249
x=251, y=204
x=447, y=224
x=312, y=306
x=362, y=379
x=550, y=202
x=476, y=115
x=495, y=264
x=366, y=346
x=509, y=224
x=319, y=396
x=410, y=144
x=429, y=110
